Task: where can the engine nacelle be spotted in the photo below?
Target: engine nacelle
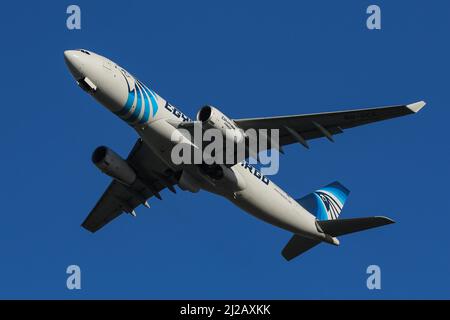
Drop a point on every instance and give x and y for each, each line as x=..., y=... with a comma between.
x=213, y=118
x=113, y=165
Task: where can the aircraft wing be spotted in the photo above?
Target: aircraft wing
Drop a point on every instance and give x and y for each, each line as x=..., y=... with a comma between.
x=119, y=198
x=301, y=128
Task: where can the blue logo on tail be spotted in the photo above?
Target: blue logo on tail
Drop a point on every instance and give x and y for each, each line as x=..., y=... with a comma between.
x=327, y=202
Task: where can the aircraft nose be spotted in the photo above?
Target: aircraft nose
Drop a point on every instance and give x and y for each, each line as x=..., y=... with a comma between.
x=74, y=62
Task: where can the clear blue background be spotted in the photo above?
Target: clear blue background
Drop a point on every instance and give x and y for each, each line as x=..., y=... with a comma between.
x=249, y=58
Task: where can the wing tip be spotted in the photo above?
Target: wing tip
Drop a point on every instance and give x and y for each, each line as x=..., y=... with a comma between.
x=386, y=220
x=89, y=227
x=417, y=106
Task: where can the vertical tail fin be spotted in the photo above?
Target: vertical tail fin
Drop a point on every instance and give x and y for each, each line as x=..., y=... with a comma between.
x=327, y=202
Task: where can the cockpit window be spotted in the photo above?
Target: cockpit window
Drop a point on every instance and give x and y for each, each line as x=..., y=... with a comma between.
x=85, y=51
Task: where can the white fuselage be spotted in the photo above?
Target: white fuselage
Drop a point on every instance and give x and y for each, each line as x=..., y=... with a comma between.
x=154, y=119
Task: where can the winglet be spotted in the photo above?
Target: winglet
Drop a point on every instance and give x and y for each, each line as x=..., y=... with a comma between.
x=415, y=107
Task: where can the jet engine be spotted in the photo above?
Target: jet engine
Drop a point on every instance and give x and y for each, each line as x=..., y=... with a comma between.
x=113, y=165
x=213, y=118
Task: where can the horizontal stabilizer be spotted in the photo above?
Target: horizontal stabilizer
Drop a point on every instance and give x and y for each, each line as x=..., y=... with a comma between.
x=297, y=245
x=340, y=227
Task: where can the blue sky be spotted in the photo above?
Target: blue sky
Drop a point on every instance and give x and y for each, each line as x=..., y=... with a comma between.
x=252, y=58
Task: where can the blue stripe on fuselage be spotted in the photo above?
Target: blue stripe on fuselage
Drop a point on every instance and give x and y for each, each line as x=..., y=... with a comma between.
x=137, y=110
x=128, y=105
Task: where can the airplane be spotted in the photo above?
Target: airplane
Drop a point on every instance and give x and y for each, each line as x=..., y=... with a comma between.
x=149, y=169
